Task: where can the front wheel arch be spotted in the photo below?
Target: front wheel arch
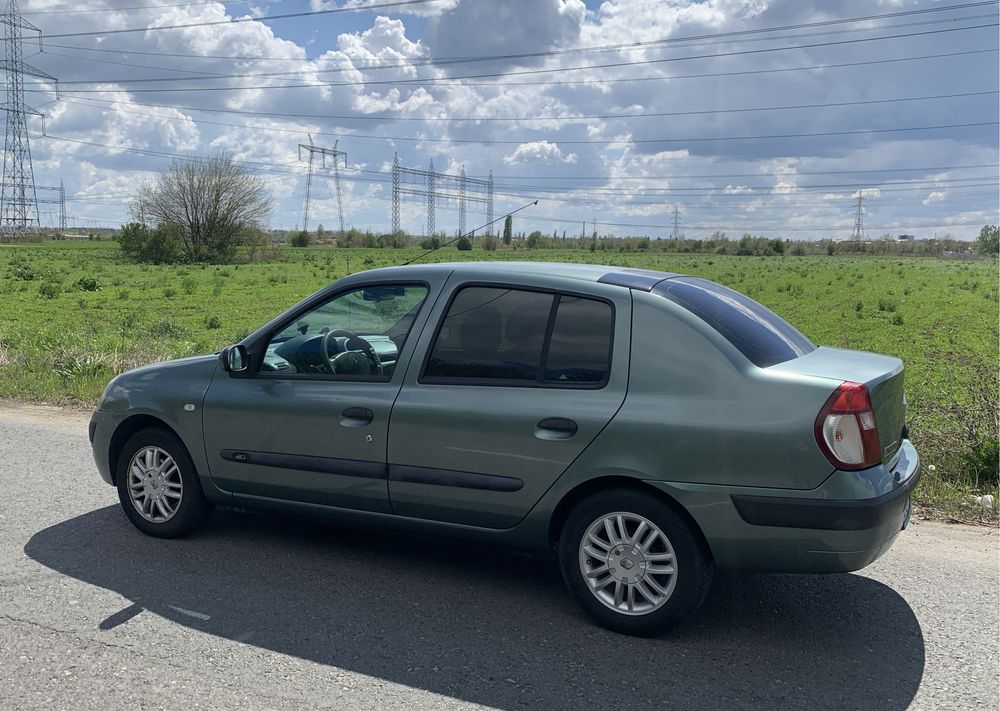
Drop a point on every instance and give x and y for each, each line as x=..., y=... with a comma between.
x=128, y=427
x=580, y=492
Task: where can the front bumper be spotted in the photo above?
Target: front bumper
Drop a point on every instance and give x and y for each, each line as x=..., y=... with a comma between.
x=102, y=427
x=843, y=525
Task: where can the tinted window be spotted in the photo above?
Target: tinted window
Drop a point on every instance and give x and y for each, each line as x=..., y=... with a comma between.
x=503, y=334
x=580, y=349
x=491, y=333
x=760, y=334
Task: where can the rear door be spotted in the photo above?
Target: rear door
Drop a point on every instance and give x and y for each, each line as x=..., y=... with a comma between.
x=508, y=385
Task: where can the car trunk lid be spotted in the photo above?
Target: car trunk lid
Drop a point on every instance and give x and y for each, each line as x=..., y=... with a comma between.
x=882, y=375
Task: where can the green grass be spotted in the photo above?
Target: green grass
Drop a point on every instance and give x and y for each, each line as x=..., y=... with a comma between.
x=62, y=337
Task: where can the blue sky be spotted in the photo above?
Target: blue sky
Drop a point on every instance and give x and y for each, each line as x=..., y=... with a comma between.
x=748, y=128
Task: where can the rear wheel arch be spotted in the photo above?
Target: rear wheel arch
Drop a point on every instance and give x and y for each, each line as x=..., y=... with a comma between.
x=126, y=429
x=606, y=483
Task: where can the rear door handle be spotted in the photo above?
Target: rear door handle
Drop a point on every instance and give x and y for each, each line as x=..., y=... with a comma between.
x=555, y=428
x=356, y=417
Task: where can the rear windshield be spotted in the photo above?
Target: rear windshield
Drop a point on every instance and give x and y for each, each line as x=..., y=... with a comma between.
x=757, y=332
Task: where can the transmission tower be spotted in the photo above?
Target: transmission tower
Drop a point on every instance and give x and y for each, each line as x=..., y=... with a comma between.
x=859, y=223
x=677, y=222
x=323, y=153
x=489, y=204
x=440, y=190
x=18, y=201
x=62, y=206
x=461, y=202
x=431, y=198
x=395, y=194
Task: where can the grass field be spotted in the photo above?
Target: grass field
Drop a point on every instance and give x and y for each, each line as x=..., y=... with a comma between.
x=72, y=314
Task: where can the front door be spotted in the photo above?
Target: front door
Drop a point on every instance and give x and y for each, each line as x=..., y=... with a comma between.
x=311, y=424
x=517, y=382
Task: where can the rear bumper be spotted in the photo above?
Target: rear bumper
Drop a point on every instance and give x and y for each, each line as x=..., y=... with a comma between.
x=827, y=515
x=843, y=525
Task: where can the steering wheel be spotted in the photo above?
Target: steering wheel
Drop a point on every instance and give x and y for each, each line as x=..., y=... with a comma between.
x=346, y=360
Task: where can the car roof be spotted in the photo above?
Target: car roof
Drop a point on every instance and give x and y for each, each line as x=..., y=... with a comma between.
x=630, y=277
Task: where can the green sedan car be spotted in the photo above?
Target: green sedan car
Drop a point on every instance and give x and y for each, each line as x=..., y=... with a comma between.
x=642, y=428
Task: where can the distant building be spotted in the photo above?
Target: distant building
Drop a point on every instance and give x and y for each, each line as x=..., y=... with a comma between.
x=905, y=238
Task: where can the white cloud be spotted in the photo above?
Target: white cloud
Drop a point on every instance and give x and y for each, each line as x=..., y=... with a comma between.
x=737, y=189
x=936, y=196
x=538, y=152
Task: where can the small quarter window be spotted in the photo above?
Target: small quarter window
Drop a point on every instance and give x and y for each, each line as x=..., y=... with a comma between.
x=580, y=349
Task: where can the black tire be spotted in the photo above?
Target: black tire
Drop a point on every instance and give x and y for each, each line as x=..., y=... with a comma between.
x=193, y=509
x=692, y=562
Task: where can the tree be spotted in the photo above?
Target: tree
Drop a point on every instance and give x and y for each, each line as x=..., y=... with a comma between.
x=463, y=244
x=988, y=241
x=320, y=231
x=211, y=202
x=489, y=243
x=508, y=229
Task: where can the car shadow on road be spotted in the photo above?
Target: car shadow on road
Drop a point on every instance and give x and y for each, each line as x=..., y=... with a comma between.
x=493, y=627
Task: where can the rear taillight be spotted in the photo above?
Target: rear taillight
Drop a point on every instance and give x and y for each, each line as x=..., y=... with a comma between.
x=846, y=430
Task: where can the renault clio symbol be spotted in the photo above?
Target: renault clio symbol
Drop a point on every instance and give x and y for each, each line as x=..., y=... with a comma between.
x=641, y=428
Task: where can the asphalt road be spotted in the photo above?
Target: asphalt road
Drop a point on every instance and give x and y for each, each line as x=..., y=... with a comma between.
x=264, y=613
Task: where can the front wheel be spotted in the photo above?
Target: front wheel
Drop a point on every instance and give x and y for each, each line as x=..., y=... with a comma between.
x=158, y=486
x=633, y=563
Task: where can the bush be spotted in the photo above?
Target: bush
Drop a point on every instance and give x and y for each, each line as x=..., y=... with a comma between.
x=49, y=290
x=161, y=245
x=887, y=305
x=87, y=284
x=213, y=322
x=431, y=243
x=490, y=243
x=463, y=244
x=300, y=239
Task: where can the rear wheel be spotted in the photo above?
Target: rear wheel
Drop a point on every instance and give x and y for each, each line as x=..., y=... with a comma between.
x=633, y=563
x=158, y=486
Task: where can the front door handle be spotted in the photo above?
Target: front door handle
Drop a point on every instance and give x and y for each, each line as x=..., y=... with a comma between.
x=356, y=417
x=555, y=428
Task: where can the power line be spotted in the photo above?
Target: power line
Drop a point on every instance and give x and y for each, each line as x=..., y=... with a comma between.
x=137, y=7
x=265, y=18
x=587, y=67
x=566, y=119
x=447, y=61
x=296, y=172
x=546, y=53
x=617, y=80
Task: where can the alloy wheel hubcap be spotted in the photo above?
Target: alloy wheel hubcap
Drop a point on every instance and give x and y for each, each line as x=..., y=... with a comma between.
x=154, y=484
x=628, y=563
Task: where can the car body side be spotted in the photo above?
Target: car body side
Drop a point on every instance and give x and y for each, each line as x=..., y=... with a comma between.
x=698, y=425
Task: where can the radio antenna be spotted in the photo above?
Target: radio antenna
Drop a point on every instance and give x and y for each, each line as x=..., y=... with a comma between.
x=470, y=232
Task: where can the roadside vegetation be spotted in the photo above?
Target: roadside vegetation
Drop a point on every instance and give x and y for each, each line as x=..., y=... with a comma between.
x=75, y=313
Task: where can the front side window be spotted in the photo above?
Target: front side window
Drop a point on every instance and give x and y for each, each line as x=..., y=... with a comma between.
x=357, y=333
x=498, y=335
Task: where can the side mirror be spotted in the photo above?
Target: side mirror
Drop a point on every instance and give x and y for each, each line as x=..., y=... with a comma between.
x=234, y=359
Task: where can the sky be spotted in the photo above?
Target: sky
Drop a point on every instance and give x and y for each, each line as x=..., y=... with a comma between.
x=761, y=116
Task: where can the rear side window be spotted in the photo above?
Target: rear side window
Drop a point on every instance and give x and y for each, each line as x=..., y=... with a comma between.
x=757, y=332
x=495, y=335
